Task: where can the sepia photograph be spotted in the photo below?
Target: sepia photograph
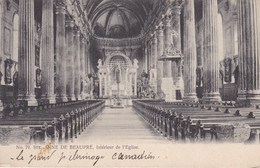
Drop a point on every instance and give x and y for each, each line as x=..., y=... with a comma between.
x=130, y=83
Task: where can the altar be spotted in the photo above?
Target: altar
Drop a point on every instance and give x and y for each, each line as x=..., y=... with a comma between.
x=117, y=79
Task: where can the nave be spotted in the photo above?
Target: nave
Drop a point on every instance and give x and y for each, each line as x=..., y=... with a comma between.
x=120, y=125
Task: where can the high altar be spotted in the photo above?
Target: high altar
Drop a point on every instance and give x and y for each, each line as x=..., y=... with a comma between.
x=117, y=79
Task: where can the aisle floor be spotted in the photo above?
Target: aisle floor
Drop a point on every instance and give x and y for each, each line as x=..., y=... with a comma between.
x=121, y=125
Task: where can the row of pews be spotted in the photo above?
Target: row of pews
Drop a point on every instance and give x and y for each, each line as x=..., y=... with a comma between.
x=194, y=122
x=60, y=123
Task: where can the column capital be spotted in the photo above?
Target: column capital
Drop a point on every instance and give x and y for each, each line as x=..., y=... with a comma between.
x=167, y=19
x=76, y=31
x=82, y=39
x=159, y=29
x=60, y=6
x=176, y=8
x=69, y=22
x=154, y=39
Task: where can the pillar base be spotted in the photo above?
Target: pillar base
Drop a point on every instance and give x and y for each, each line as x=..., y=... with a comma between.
x=73, y=98
x=190, y=97
x=168, y=89
x=249, y=99
x=83, y=96
x=29, y=100
x=64, y=99
x=51, y=99
x=211, y=98
x=79, y=98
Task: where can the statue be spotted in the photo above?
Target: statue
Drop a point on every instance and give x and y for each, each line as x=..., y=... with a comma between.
x=135, y=62
x=99, y=62
x=117, y=74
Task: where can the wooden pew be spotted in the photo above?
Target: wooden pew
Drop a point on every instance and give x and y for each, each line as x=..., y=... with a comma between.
x=196, y=124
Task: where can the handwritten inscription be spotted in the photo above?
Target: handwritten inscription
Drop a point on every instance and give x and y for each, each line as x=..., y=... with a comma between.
x=69, y=153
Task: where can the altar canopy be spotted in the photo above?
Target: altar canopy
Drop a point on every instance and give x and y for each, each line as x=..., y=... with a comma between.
x=117, y=76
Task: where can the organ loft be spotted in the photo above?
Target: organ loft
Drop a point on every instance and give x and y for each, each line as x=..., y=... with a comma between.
x=188, y=68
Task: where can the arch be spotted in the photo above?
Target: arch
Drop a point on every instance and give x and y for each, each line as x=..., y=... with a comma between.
x=128, y=61
x=15, y=39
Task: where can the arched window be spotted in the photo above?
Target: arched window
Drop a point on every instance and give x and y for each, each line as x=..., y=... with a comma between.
x=15, y=37
x=221, y=39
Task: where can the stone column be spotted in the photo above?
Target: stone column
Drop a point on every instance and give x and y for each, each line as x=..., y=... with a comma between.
x=167, y=82
x=167, y=71
x=60, y=52
x=100, y=85
x=135, y=82
x=131, y=83
x=211, y=62
x=77, y=63
x=160, y=49
x=190, y=53
x=176, y=65
x=1, y=71
x=47, y=85
x=88, y=57
x=26, y=75
x=153, y=51
x=70, y=59
x=146, y=68
x=82, y=65
x=153, y=58
x=249, y=52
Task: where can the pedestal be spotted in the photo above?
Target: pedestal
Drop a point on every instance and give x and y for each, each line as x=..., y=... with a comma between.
x=73, y=98
x=249, y=99
x=168, y=89
x=31, y=101
x=51, y=100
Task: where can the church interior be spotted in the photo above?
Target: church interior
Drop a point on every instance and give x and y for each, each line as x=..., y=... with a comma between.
x=147, y=70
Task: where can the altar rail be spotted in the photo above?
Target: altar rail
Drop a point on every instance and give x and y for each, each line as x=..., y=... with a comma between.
x=53, y=125
x=201, y=123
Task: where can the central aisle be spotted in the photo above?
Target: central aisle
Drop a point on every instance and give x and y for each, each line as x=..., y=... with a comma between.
x=120, y=125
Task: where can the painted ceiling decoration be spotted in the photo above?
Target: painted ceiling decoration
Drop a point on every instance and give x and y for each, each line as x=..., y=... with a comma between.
x=119, y=18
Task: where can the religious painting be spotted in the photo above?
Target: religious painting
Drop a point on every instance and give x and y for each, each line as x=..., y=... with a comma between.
x=7, y=40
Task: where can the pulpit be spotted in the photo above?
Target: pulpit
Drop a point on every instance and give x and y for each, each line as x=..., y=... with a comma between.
x=117, y=79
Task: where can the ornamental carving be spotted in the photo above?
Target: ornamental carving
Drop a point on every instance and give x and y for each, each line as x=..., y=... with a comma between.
x=173, y=51
x=8, y=72
x=61, y=3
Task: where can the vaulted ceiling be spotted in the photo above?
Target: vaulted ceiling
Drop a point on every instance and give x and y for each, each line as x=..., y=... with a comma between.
x=119, y=18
